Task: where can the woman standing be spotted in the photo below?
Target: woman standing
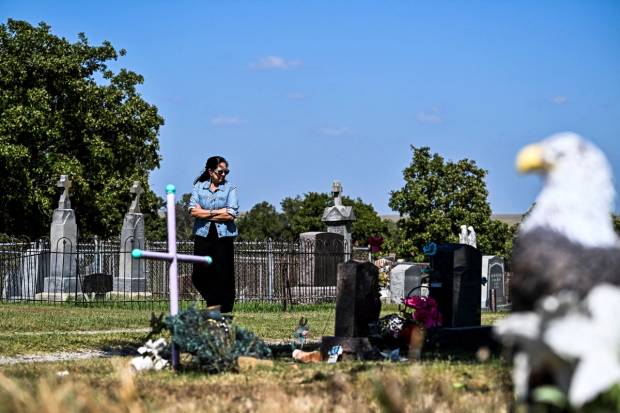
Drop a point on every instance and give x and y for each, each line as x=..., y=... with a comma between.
x=215, y=206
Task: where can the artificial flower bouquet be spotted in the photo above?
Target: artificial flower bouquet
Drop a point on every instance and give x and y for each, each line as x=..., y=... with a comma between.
x=407, y=330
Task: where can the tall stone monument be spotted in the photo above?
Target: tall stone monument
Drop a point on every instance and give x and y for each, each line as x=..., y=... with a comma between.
x=339, y=218
x=62, y=278
x=132, y=274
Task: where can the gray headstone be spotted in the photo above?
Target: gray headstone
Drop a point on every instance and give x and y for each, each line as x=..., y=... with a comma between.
x=132, y=273
x=339, y=218
x=62, y=278
x=404, y=278
x=321, y=252
x=493, y=271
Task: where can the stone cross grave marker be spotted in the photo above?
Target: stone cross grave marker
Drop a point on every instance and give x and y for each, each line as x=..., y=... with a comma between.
x=339, y=218
x=64, y=182
x=173, y=258
x=62, y=278
x=132, y=274
x=136, y=188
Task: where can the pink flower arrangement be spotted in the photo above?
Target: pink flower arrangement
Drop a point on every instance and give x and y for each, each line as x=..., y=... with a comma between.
x=425, y=310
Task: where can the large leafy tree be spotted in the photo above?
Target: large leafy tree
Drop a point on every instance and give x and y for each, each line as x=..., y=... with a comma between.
x=261, y=222
x=63, y=111
x=303, y=214
x=438, y=197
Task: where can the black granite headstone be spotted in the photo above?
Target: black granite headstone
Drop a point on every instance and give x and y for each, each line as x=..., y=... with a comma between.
x=97, y=283
x=357, y=298
x=456, y=284
x=358, y=304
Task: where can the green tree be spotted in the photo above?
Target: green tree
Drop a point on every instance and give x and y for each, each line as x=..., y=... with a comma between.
x=261, y=222
x=156, y=227
x=438, y=197
x=616, y=219
x=63, y=111
x=368, y=222
x=303, y=214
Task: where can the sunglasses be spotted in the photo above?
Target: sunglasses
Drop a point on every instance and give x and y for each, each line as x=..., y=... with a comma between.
x=222, y=171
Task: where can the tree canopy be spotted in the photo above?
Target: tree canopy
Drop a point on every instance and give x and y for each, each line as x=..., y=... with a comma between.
x=438, y=197
x=261, y=222
x=63, y=111
x=303, y=214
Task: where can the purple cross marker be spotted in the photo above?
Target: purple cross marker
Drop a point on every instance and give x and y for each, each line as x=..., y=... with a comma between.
x=173, y=258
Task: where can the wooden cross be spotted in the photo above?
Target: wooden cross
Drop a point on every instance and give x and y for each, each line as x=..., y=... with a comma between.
x=64, y=182
x=173, y=258
x=136, y=188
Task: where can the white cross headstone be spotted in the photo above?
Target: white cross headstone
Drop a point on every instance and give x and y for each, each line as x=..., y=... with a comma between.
x=172, y=257
x=64, y=182
x=136, y=188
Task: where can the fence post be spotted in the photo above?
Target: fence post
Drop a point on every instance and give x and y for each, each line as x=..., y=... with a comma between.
x=270, y=269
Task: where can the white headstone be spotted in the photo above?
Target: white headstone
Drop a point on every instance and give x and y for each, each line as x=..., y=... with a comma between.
x=404, y=277
x=62, y=277
x=132, y=273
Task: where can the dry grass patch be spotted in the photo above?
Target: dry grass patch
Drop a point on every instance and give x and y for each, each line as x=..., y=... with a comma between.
x=429, y=386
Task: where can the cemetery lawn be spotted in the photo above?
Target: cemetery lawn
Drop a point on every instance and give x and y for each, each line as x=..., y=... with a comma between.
x=40, y=328
x=425, y=386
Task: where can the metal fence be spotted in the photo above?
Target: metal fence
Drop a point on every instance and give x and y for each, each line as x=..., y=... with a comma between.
x=95, y=271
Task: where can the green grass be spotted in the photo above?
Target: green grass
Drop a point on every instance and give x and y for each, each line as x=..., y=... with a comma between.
x=266, y=320
x=430, y=385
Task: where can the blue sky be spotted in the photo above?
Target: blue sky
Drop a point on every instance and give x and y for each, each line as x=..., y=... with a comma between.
x=297, y=94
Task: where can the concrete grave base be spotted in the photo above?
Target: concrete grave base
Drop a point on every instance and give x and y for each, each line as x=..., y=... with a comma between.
x=129, y=285
x=127, y=295
x=460, y=340
x=58, y=296
x=61, y=285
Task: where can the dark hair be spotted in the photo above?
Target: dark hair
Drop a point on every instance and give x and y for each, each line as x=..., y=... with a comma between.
x=212, y=163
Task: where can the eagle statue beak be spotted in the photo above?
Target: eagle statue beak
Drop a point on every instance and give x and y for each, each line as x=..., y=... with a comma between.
x=531, y=158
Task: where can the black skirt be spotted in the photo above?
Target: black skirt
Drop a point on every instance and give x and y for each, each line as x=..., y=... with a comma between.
x=216, y=282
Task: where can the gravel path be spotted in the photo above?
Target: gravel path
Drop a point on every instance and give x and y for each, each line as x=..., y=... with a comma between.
x=76, y=333
x=62, y=356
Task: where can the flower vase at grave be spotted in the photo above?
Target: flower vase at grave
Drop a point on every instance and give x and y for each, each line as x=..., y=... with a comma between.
x=413, y=335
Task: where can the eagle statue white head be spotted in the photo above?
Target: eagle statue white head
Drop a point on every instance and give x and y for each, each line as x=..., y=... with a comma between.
x=578, y=194
x=567, y=242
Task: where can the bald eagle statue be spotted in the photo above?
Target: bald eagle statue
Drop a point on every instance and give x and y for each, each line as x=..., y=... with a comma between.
x=567, y=241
